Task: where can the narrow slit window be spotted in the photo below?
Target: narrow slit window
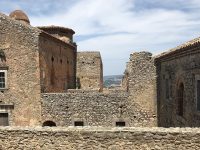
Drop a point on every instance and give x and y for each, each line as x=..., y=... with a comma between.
x=180, y=99
x=198, y=95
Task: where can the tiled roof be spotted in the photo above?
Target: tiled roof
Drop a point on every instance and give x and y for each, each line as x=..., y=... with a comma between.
x=179, y=48
x=52, y=27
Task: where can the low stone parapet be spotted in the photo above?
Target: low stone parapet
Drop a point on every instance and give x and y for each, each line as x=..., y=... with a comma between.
x=73, y=138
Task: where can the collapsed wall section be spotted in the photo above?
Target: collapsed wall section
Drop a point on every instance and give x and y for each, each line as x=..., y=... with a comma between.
x=100, y=138
x=140, y=80
x=93, y=108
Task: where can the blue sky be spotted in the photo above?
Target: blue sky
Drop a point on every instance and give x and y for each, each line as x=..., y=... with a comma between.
x=117, y=28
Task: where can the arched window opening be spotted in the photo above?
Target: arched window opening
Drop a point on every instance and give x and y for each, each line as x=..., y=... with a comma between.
x=52, y=59
x=180, y=99
x=49, y=124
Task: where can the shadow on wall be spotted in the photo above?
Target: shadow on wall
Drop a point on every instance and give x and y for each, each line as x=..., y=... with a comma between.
x=78, y=83
x=2, y=56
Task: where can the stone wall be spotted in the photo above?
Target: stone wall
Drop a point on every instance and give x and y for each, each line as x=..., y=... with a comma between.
x=89, y=70
x=140, y=80
x=93, y=108
x=57, y=64
x=100, y=138
x=181, y=68
x=19, y=43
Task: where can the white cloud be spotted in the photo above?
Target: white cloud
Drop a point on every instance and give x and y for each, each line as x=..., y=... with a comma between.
x=88, y=17
x=125, y=26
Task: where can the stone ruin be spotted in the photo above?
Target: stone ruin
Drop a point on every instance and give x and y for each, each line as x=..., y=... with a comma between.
x=45, y=82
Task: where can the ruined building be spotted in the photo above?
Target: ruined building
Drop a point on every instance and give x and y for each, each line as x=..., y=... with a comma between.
x=90, y=106
x=140, y=80
x=45, y=82
x=89, y=70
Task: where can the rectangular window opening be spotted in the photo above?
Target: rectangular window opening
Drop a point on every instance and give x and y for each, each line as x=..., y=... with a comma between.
x=120, y=124
x=2, y=79
x=3, y=75
x=4, y=119
x=78, y=123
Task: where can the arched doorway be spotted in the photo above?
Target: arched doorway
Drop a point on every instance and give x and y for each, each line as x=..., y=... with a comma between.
x=49, y=124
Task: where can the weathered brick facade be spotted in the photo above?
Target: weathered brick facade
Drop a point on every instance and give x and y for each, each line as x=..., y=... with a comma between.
x=57, y=59
x=57, y=64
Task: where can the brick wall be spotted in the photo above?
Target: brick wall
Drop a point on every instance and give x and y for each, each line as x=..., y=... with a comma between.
x=57, y=65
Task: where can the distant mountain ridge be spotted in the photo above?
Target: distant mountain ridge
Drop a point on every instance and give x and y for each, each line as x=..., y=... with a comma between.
x=112, y=80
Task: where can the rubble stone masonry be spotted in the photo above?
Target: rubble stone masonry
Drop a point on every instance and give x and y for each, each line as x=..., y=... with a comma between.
x=89, y=70
x=93, y=108
x=19, y=43
x=140, y=80
x=74, y=138
x=180, y=68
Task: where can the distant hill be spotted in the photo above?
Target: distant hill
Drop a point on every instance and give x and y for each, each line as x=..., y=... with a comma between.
x=112, y=80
